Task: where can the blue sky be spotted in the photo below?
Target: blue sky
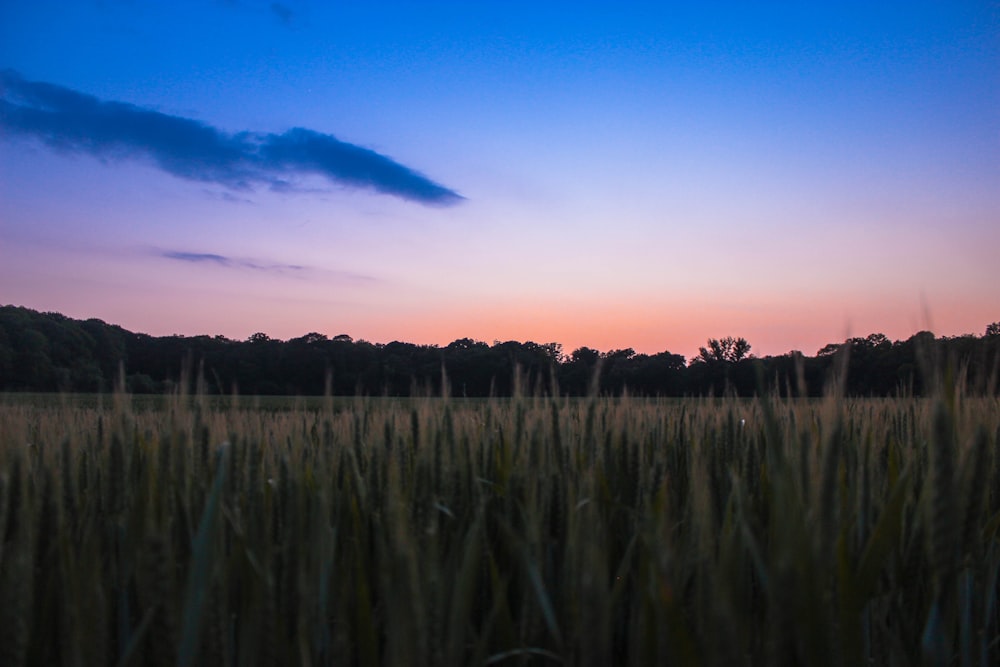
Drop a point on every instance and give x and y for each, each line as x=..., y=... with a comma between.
x=644, y=175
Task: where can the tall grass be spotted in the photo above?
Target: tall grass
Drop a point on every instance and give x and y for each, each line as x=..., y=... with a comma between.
x=524, y=531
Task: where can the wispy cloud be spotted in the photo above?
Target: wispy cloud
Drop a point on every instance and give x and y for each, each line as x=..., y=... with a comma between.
x=226, y=195
x=222, y=260
x=229, y=262
x=72, y=121
x=283, y=12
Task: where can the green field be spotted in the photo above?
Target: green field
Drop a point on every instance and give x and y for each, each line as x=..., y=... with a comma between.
x=505, y=531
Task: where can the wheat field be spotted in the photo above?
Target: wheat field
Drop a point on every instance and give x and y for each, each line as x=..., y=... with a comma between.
x=522, y=531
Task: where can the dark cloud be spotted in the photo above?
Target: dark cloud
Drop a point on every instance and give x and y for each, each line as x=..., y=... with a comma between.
x=283, y=12
x=75, y=122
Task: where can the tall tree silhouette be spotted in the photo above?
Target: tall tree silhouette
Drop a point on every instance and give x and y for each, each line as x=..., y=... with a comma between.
x=724, y=349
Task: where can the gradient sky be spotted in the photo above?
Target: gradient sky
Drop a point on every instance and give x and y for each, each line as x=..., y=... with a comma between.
x=645, y=176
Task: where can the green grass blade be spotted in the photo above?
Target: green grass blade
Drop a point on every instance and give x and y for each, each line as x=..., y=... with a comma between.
x=202, y=559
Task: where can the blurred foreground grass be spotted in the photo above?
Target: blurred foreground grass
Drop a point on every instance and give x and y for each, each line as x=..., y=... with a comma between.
x=505, y=531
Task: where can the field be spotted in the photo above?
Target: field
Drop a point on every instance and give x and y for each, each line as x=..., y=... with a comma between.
x=528, y=530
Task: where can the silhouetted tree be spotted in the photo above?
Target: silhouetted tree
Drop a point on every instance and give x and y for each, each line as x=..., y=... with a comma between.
x=50, y=352
x=310, y=338
x=576, y=372
x=661, y=374
x=724, y=349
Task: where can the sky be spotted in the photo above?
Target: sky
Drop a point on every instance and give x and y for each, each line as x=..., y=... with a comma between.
x=643, y=175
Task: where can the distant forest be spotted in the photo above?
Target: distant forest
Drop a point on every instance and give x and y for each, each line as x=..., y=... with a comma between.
x=51, y=352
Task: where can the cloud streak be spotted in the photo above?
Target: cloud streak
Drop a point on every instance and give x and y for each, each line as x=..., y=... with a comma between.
x=75, y=122
x=222, y=260
x=228, y=262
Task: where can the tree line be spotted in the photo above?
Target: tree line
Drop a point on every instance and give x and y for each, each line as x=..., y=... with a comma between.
x=52, y=352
